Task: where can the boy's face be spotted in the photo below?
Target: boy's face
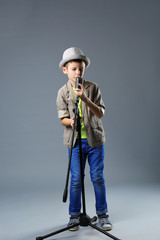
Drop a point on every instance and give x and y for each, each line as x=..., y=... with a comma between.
x=74, y=70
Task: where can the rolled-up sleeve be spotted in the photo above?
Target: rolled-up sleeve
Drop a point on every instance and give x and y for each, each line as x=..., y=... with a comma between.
x=62, y=107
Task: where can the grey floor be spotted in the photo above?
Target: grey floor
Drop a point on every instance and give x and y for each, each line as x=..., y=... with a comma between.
x=134, y=212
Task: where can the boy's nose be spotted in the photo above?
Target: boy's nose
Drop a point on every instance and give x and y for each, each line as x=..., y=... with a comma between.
x=78, y=73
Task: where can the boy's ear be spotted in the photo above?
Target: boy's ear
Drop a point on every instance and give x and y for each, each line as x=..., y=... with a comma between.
x=64, y=69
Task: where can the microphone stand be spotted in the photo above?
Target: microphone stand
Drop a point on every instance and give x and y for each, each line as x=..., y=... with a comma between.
x=84, y=219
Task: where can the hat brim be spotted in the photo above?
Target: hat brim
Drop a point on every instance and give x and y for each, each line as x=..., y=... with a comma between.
x=74, y=57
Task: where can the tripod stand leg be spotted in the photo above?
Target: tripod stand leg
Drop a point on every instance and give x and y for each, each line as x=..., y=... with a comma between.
x=56, y=232
x=102, y=231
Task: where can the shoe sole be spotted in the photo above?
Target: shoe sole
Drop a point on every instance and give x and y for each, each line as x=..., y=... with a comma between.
x=74, y=229
x=106, y=229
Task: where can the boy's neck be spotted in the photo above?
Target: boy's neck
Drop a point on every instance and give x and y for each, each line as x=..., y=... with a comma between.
x=72, y=83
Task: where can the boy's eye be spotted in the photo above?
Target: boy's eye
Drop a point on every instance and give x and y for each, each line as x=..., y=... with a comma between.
x=74, y=69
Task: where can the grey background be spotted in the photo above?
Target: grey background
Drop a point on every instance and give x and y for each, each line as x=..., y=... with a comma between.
x=122, y=40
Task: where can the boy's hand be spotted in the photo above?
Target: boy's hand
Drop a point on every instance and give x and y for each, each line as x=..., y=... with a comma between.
x=96, y=110
x=72, y=122
x=81, y=93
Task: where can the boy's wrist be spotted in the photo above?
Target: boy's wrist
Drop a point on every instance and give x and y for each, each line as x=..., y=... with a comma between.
x=84, y=97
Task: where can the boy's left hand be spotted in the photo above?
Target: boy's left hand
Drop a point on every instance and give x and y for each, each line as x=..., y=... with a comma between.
x=81, y=93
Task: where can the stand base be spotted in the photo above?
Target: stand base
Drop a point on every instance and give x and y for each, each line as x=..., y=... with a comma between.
x=84, y=221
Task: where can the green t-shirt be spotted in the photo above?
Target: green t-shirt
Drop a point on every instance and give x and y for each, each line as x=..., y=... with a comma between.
x=83, y=131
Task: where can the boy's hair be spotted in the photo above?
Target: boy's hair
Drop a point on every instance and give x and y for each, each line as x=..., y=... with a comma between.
x=74, y=60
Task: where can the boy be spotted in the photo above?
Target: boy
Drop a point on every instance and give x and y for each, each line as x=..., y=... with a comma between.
x=91, y=110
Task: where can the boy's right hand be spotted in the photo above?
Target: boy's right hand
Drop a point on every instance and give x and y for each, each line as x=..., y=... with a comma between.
x=72, y=122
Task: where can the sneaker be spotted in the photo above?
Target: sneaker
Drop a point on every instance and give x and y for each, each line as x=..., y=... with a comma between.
x=105, y=224
x=73, y=221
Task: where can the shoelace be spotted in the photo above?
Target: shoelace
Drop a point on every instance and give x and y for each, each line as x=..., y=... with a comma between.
x=74, y=220
x=104, y=220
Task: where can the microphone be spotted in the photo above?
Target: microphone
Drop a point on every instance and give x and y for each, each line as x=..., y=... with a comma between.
x=78, y=80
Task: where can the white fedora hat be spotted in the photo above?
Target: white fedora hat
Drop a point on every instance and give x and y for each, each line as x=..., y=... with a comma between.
x=73, y=53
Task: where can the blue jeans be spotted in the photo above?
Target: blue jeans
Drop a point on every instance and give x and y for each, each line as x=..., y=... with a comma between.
x=96, y=162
